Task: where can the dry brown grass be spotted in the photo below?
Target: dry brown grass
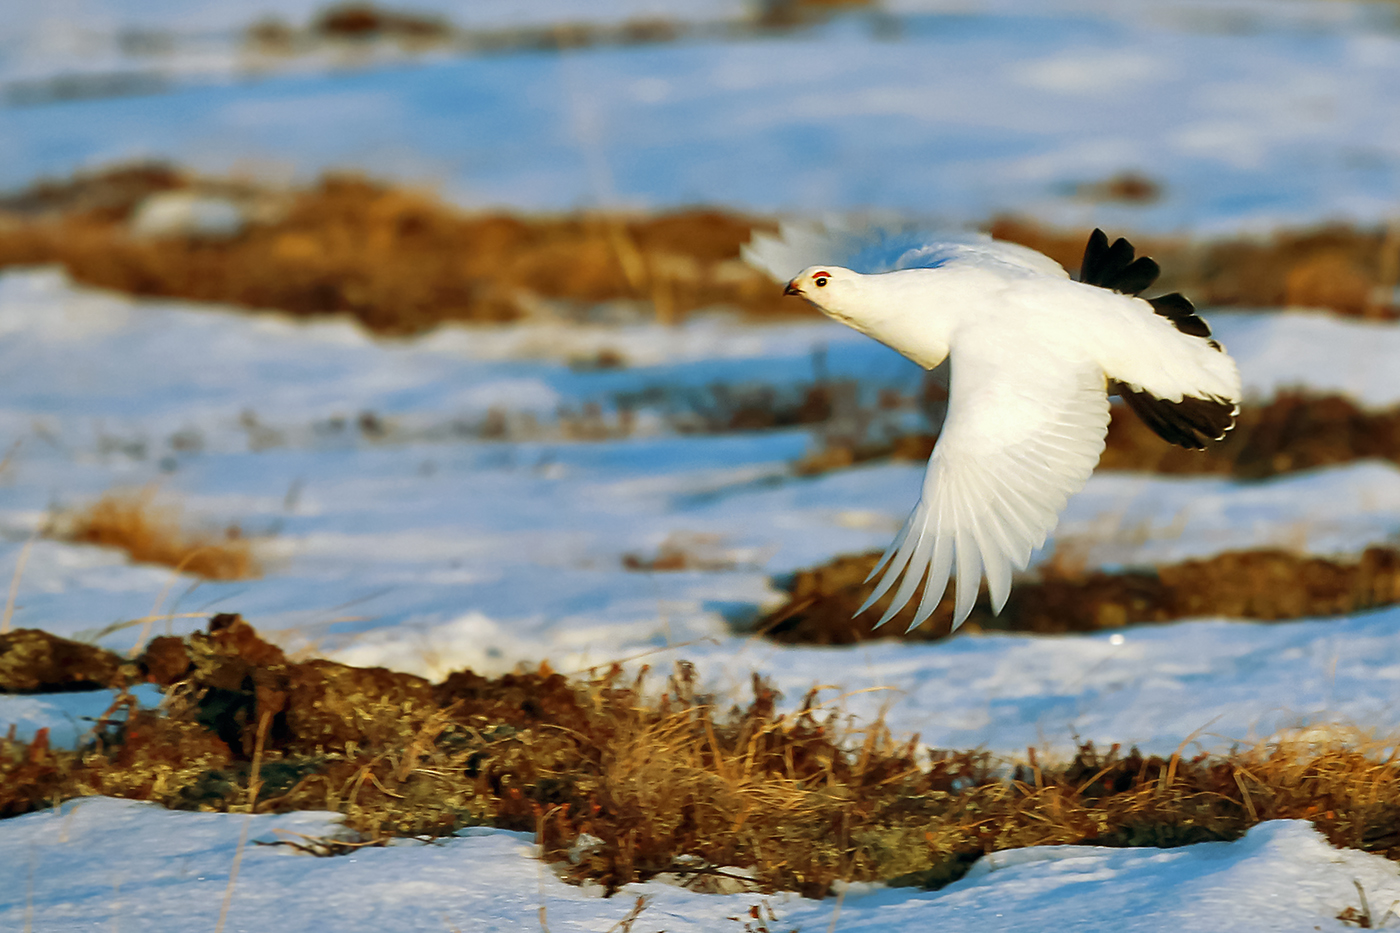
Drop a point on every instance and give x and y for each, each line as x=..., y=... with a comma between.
x=673, y=784
x=358, y=26
x=151, y=532
x=1347, y=270
x=401, y=261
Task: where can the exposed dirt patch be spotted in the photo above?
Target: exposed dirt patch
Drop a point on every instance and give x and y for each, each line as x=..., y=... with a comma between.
x=660, y=784
x=1295, y=431
x=358, y=26
x=1347, y=270
x=361, y=21
x=1270, y=585
x=112, y=194
x=401, y=261
x=32, y=661
x=1125, y=187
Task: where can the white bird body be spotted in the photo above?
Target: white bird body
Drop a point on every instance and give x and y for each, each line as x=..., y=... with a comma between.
x=1033, y=356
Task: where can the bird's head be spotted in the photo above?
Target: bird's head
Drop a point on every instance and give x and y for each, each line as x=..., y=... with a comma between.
x=831, y=288
x=893, y=307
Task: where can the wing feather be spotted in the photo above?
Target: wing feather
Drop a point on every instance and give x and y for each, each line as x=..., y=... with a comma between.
x=918, y=564
x=994, y=537
x=897, y=557
x=940, y=566
x=874, y=248
x=1017, y=443
x=969, y=561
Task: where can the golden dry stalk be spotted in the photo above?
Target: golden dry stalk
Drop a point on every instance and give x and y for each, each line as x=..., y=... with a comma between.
x=151, y=532
x=621, y=785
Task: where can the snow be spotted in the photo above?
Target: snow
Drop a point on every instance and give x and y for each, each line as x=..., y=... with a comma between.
x=124, y=865
x=69, y=717
x=195, y=16
x=1247, y=116
x=422, y=546
x=1207, y=683
x=428, y=549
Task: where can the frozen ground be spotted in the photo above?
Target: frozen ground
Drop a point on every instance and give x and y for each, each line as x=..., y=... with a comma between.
x=404, y=539
x=1247, y=113
x=425, y=548
x=69, y=717
x=421, y=546
x=127, y=866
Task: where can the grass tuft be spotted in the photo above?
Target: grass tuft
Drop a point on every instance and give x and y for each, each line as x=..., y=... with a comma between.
x=151, y=532
x=621, y=783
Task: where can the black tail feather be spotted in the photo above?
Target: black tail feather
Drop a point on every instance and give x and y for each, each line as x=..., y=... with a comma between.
x=1114, y=267
x=1179, y=310
x=1136, y=277
x=1191, y=422
x=1095, y=257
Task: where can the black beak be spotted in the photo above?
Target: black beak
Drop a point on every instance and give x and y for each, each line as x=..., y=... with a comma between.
x=792, y=289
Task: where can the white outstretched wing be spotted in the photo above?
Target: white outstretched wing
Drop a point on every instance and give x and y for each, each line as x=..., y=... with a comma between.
x=1021, y=437
x=873, y=249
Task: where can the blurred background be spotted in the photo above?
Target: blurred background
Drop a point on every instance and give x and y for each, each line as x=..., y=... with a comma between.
x=1177, y=116
x=419, y=334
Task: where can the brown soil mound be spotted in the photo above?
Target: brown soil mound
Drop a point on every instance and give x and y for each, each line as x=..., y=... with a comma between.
x=32, y=661
x=1269, y=585
x=402, y=261
x=1344, y=269
x=367, y=21
x=399, y=261
x=1295, y=431
x=358, y=24
x=109, y=195
x=670, y=785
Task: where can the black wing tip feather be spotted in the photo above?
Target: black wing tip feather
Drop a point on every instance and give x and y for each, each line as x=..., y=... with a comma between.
x=1192, y=422
x=1114, y=267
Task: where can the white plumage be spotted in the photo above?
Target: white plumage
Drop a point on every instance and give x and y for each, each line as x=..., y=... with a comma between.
x=1034, y=356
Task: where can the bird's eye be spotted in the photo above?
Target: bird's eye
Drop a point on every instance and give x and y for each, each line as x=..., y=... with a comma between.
x=821, y=281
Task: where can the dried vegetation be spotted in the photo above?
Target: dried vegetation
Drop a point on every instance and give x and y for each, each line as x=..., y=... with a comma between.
x=358, y=28
x=151, y=532
x=1295, y=431
x=1269, y=585
x=32, y=661
x=620, y=785
x=401, y=261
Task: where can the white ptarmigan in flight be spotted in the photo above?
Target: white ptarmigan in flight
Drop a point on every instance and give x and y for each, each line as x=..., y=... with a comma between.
x=1034, y=356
